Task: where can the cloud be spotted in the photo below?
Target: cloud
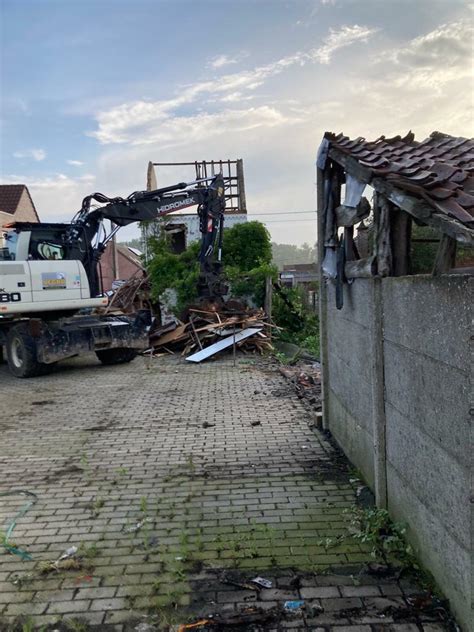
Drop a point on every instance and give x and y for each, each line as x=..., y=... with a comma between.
x=35, y=154
x=57, y=197
x=141, y=121
x=337, y=39
x=431, y=60
x=178, y=130
x=420, y=84
x=224, y=60
x=75, y=163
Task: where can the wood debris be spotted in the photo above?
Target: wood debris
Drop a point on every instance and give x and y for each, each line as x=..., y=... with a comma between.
x=131, y=297
x=208, y=323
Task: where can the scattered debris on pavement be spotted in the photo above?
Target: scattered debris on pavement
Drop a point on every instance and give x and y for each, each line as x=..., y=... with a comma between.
x=295, y=607
x=306, y=378
x=261, y=581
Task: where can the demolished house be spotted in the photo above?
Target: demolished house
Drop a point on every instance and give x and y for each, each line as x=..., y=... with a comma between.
x=395, y=355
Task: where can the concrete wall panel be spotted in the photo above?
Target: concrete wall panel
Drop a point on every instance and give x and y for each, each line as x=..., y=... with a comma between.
x=449, y=563
x=429, y=315
x=356, y=442
x=427, y=392
x=438, y=480
x=432, y=395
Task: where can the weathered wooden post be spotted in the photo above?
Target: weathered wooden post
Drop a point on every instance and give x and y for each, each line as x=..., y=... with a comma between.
x=384, y=262
x=323, y=337
x=268, y=301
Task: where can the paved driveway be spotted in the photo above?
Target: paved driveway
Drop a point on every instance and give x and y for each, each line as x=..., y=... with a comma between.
x=164, y=474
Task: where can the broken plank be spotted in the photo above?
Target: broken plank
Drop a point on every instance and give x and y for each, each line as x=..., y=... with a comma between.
x=173, y=336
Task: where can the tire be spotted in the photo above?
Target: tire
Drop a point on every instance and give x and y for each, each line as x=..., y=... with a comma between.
x=116, y=356
x=21, y=353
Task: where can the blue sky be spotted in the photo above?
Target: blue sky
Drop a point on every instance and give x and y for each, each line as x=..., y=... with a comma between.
x=93, y=90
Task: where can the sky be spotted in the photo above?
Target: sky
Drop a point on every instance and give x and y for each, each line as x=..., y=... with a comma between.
x=91, y=90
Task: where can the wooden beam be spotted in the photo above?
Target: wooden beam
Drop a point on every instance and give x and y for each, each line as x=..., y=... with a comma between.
x=349, y=215
x=268, y=300
x=445, y=256
x=378, y=395
x=351, y=165
x=323, y=301
x=241, y=185
x=426, y=213
x=400, y=233
x=383, y=249
x=452, y=228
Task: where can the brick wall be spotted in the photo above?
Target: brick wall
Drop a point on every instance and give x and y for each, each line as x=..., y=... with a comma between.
x=126, y=268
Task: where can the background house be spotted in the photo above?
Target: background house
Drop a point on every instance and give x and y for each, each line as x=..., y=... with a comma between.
x=299, y=274
x=183, y=228
x=119, y=263
x=16, y=204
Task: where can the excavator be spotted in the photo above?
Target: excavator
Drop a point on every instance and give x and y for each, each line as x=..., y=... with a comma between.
x=50, y=280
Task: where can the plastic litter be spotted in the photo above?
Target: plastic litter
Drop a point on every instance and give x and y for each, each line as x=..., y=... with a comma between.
x=294, y=607
x=261, y=581
x=145, y=627
x=190, y=626
x=70, y=552
x=137, y=526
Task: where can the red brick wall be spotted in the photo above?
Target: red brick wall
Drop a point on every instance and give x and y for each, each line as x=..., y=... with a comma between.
x=126, y=268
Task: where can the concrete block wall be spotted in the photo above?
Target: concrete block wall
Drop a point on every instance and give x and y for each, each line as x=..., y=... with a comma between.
x=350, y=401
x=427, y=398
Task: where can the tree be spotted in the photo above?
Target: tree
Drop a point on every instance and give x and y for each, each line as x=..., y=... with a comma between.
x=247, y=246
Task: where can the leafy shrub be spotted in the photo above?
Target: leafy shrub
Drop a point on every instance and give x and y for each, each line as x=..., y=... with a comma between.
x=300, y=323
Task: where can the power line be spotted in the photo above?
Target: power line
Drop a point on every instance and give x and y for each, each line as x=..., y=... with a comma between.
x=283, y=221
x=283, y=213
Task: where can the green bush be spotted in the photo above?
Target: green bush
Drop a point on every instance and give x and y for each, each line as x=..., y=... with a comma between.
x=300, y=323
x=247, y=246
x=168, y=270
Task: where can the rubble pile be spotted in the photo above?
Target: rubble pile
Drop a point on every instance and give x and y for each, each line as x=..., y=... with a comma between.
x=208, y=324
x=131, y=296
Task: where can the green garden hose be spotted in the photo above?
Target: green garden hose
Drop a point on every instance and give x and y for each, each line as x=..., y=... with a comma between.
x=11, y=548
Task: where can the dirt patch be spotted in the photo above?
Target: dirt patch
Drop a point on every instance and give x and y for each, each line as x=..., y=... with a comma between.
x=64, y=471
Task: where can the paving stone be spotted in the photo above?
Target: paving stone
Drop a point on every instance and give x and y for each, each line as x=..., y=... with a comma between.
x=352, y=628
x=76, y=607
x=14, y=609
x=272, y=594
x=331, y=605
x=95, y=593
x=320, y=592
x=360, y=591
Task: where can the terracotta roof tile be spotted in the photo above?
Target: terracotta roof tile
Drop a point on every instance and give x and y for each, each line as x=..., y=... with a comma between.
x=10, y=195
x=438, y=169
